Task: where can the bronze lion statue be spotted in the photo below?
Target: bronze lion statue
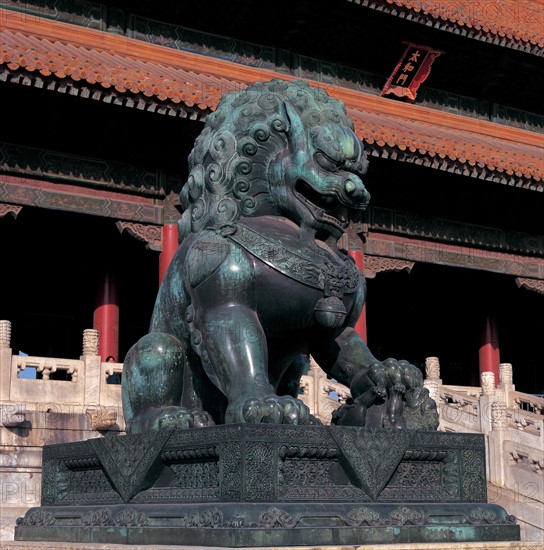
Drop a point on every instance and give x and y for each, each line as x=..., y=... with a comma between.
x=258, y=279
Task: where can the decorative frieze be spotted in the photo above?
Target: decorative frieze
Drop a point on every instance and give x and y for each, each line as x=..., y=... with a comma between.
x=82, y=12
x=102, y=419
x=6, y=209
x=73, y=198
x=413, y=225
x=377, y=264
x=432, y=252
x=63, y=166
x=499, y=421
x=537, y=285
x=150, y=234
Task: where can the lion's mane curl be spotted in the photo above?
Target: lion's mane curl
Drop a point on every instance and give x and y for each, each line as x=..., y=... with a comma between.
x=228, y=166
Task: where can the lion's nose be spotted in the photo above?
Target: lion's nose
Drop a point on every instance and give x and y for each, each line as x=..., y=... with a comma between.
x=355, y=190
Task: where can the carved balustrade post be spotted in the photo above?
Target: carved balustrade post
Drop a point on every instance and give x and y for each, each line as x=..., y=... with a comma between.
x=432, y=380
x=91, y=340
x=432, y=368
x=5, y=334
x=488, y=383
x=487, y=398
x=495, y=441
x=92, y=371
x=506, y=383
x=5, y=359
x=506, y=373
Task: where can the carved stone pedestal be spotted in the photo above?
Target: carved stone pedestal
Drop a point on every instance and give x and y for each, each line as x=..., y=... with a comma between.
x=268, y=485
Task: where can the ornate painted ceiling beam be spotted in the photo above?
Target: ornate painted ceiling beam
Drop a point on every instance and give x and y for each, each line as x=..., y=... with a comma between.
x=20, y=191
x=413, y=250
x=409, y=224
x=81, y=170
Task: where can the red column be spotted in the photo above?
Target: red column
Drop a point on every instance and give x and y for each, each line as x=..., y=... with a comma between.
x=106, y=317
x=489, y=348
x=360, y=326
x=169, y=247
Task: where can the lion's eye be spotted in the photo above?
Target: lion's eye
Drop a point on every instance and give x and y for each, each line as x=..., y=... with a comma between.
x=326, y=162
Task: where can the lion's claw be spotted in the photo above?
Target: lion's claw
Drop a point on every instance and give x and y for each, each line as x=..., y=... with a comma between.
x=170, y=418
x=270, y=409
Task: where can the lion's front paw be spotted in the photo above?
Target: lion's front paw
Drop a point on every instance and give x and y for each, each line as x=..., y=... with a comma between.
x=167, y=418
x=270, y=409
x=408, y=402
x=398, y=376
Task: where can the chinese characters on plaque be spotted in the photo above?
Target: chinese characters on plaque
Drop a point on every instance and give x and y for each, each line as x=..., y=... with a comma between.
x=412, y=69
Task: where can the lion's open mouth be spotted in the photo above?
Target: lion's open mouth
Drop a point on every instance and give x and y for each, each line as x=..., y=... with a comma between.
x=325, y=207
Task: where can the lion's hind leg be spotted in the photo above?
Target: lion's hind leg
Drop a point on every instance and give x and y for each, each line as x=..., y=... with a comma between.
x=152, y=386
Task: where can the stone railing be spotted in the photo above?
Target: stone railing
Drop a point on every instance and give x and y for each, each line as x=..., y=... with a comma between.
x=491, y=408
x=75, y=386
x=71, y=400
x=45, y=367
x=513, y=425
x=462, y=408
x=47, y=400
x=321, y=394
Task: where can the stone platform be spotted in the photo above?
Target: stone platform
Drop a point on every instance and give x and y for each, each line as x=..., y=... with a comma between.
x=514, y=545
x=268, y=486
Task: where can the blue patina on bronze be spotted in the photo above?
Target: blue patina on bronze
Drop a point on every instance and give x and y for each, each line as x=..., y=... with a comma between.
x=258, y=279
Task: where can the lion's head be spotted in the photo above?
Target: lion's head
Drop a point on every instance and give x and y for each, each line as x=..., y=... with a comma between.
x=276, y=148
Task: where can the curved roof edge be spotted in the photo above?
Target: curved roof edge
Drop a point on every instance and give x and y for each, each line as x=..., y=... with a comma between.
x=107, y=67
x=516, y=24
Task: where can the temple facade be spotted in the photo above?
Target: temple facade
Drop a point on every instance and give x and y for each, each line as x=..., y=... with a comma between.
x=102, y=102
x=105, y=100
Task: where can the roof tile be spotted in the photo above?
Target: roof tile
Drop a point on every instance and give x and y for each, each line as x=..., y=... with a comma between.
x=518, y=20
x=413, y=129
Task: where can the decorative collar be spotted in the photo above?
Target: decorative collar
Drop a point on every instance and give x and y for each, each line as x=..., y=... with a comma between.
x=312, y=267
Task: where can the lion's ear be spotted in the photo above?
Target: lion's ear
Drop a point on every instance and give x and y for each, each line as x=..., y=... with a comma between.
x=294, y=127
x=284, y=113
